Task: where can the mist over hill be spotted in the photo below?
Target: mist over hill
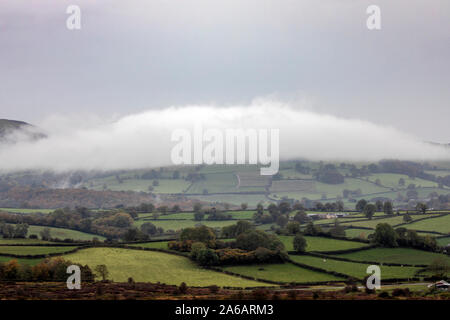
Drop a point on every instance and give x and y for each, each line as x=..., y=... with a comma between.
x=13, y=131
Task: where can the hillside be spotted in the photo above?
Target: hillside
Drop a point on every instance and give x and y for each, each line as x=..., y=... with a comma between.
x=8, y=127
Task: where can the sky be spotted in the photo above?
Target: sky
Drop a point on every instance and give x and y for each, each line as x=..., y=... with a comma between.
x=132, y=57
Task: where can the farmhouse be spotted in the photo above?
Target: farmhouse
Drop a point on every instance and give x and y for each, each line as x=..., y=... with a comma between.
x=442, y=285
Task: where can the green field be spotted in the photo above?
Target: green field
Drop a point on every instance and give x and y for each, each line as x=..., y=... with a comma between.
x=216, y=183
x=358, y=233
x=33, y=250
x=391, y=180
x=235, y=199
x=322, y=244
x=23, y=241
x=154, y=244
x=441, y=224
x=394, y=255
x=443, y=241
x=149, y=266
x=182, y=224
x=140, y=185
x=285, y=272
x=356, y=270
x=21, y=261
x=393, y=221
x=19, y=210
x=62, y=233
x=439, y=173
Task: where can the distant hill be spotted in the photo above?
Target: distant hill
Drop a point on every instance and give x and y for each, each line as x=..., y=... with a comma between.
x=28, y=131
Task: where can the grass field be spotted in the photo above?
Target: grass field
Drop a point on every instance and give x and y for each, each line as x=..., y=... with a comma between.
x=443, y=241
x=285, y=272
x=62, y=233
x=357, y=270
x=358, y=233
x=149, y=266
x=19, y=210
x=190, y=215
x=22, y=241
x=251, y=199
x=21, y=261
x=439, y=173
x=216, y=183
x=394, y=255
x=33, y=250
x=441, y=224
x=181, y=224
x=322, y=244
x=140, y=185
x=391, y=180
x=154, y=244
x=393, y=221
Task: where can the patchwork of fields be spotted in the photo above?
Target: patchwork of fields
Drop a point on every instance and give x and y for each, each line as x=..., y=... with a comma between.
x=149, y=266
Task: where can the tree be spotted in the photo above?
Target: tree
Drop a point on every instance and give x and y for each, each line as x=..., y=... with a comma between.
x=360, y=205
x=387, y=208
x=407, y=218
x=337, y=230
x=198, y=216
x=207, y=257
x=369, y=211
x=293, y=227
x=149, y=228
x=131, y=234
x=282, y=220
x=102, y=271
x=385, y=235
x=196, y=247
x=401, y=182
x=244, y=206
x=45, y=234
x=21, y=230
x=312, y=230
x=253, y=239
x=197, y=207
x=421, y=207
x=301, y=217
x=299, y=243
x=234, y=230
x=200, y=234
x=284, y=207
x=379, y=205
x=259, y=209
x=439, y=267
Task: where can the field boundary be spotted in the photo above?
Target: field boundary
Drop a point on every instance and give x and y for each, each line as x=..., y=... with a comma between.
x=319, y=255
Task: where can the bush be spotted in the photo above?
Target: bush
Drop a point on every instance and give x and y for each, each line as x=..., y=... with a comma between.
x=260, y=294
x=398, y=292
x=385, y=235
x=207, y=257
x=256, y=238
x=182, y=288
x=299, y=243
x=213, y=289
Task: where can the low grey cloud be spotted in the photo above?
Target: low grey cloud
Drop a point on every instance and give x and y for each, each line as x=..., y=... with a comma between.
x=144, y=139
x=134, y=55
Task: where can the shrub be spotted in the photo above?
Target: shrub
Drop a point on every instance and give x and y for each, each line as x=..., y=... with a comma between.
x=299, y=243
x=398, y=292
x=260, y=294
x=182, y=288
